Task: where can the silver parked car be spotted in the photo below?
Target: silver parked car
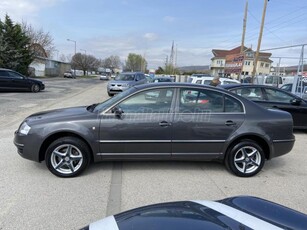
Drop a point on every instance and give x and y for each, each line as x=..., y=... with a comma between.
x=124, y=81
x=180, y=122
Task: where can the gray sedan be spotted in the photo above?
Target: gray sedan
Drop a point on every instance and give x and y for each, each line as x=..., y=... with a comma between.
x=183, y=122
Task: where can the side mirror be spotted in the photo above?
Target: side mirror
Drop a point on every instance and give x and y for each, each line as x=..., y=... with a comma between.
x=296, y=101
x=117, y=111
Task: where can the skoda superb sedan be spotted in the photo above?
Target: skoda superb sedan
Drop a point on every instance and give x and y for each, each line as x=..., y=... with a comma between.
x=239, y=212
x=182, y=122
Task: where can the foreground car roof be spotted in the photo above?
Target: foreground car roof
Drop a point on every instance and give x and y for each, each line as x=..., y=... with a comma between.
x=241, y=212
x=174, y=84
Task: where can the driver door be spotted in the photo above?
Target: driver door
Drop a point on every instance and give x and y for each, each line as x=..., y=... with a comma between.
x=139, y=127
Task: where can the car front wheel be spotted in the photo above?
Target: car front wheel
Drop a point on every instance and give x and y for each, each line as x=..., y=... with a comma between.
x=35, y=88
x=245, y=159
x=67, y=157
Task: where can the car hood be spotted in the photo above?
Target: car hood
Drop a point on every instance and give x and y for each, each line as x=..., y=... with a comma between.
x=120, y=82
x=58, y=115
x=34, y=80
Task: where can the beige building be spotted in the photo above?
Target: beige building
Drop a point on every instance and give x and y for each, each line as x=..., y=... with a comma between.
x=234, y=64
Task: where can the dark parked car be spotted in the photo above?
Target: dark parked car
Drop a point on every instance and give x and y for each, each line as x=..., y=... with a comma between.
x=13, y=81
x=237, y=213
x=184, y=122
x=272, y=97
x=124, y=81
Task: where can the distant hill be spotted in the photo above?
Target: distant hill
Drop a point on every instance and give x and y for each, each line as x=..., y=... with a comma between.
x=196, y=68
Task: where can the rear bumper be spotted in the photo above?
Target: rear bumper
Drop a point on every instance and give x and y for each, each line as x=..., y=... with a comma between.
x=281, y=147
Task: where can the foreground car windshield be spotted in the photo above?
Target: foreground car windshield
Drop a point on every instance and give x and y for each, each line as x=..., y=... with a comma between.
x=125, y=77
x=104, y=105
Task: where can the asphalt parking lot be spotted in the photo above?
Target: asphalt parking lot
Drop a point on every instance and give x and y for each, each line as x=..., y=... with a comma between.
x=33, y=198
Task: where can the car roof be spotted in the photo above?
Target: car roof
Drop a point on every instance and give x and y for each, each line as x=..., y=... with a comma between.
x=131, y=73
x=6, y=69
x=176, y=84
x=246, y=85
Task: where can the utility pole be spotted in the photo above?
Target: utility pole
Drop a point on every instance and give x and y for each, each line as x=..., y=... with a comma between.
x=244, y=26
x=259, y=40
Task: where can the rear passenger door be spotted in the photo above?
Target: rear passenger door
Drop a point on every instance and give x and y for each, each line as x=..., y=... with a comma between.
x=204, y=119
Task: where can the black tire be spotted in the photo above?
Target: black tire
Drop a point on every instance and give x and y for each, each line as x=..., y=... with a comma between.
x=35, y=88
x=245, y=159
x=70, y=154
x=110, y=94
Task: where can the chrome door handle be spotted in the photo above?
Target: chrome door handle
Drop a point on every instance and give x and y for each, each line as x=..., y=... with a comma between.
x=165, y=124
x=230, y=123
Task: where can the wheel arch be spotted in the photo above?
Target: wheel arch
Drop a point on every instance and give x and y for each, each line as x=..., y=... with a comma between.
x=58, y=135
x=259, y=140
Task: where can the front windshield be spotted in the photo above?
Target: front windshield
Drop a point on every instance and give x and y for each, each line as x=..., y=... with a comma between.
x=125, y=77
x=108, y=103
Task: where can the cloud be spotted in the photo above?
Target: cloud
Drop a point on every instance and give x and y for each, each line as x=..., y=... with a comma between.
x=151, y=36
x=18, y=9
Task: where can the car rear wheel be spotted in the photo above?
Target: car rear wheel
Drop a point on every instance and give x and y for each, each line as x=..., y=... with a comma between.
x=35, y=88
x=67, y=157
x=245, y=159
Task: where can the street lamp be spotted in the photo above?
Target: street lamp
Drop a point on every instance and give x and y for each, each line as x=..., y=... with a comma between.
x=75, y=52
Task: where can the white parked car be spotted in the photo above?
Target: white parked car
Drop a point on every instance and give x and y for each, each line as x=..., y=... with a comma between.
x=104, y=77
x=206, y=80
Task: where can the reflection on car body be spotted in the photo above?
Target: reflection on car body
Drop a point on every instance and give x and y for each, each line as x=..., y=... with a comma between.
x=180, y=122
x=239, y=212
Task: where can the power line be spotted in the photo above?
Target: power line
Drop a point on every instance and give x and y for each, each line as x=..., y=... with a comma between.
x=284, y=47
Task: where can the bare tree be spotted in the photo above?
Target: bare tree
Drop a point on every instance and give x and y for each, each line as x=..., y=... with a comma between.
x=41, y=41
x=111, y=62
x=84, y=62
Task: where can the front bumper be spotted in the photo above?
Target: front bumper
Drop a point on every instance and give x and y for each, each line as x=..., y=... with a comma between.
x=27, y=146
x=112, y=89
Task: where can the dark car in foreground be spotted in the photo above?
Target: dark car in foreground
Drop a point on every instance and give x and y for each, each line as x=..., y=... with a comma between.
x=13, y=81
x=182, y=122
x=272, y=97
x=237, y=213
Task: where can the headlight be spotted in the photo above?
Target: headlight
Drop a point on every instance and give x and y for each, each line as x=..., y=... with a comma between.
x=125, y=85
x=24, y=128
